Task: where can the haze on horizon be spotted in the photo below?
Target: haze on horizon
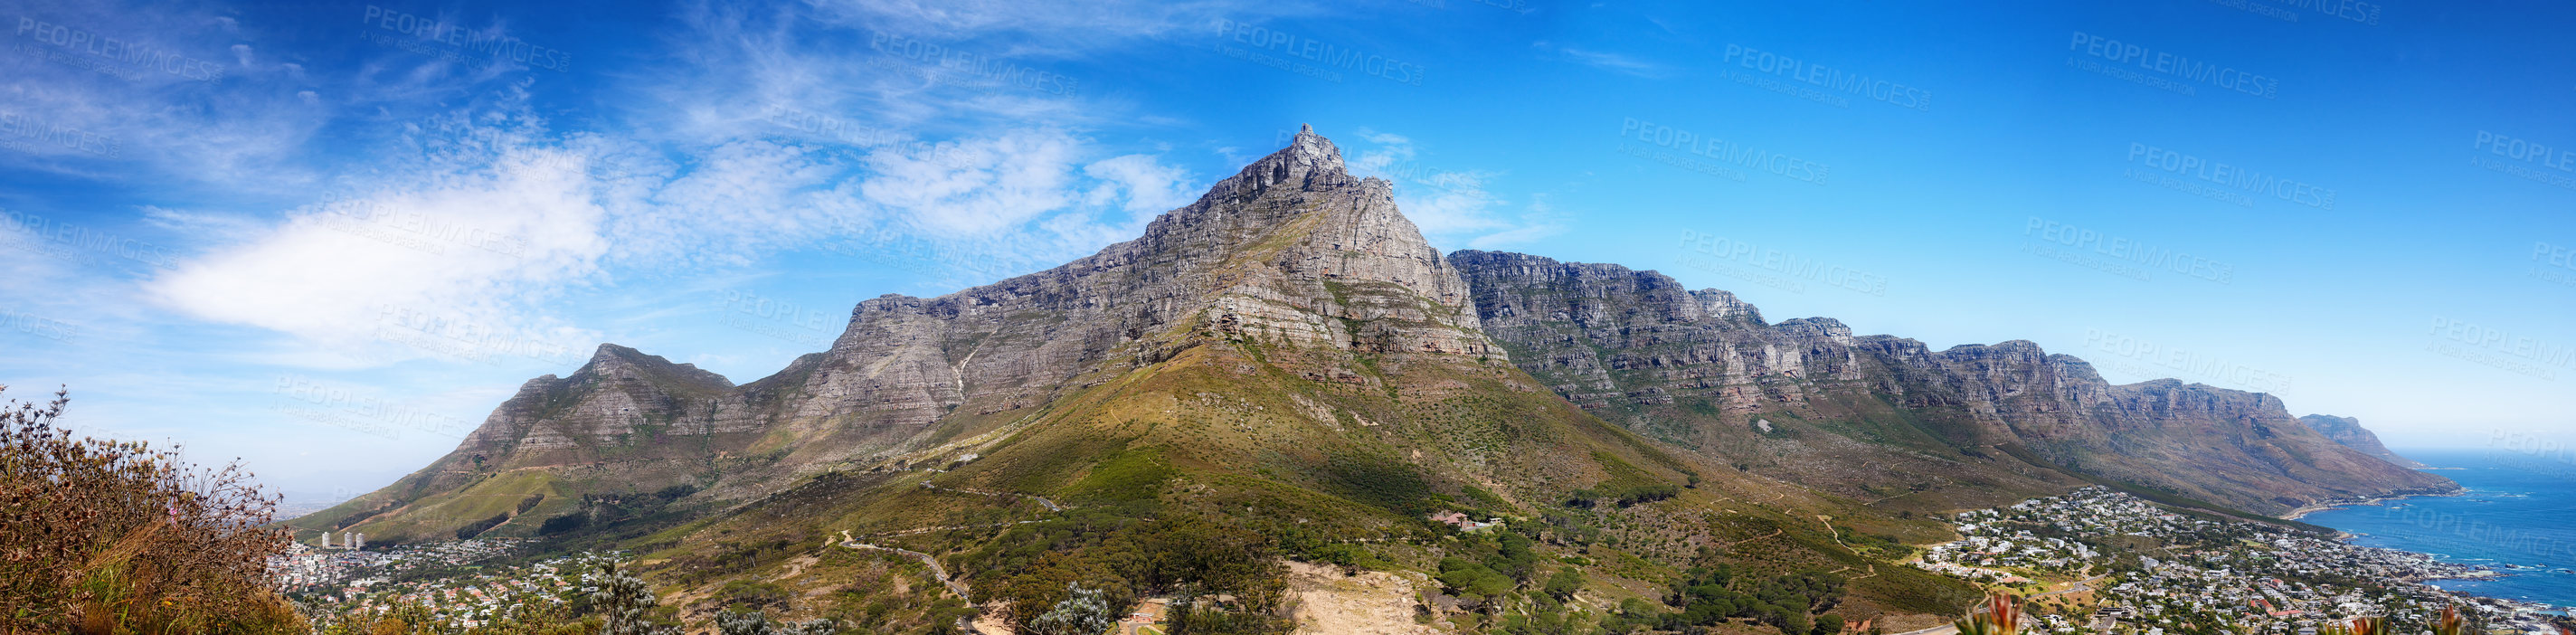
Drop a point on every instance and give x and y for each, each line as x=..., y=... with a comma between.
x=329, y=240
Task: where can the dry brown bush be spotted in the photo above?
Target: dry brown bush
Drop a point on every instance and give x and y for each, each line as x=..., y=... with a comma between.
x=110, y=537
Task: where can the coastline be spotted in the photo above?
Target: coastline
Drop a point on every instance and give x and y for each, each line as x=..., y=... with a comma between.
x=2312, y=508
x=2374, y=501
x=2460, y=571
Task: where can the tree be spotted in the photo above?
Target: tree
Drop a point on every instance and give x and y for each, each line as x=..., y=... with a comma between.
x=749, y=623
x=757, y=623
x=1828, y=624
x=622, y=601
x=1084, y=612
x=1563, y=585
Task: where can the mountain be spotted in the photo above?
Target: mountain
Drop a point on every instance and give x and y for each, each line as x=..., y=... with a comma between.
x=2348, y=431
x=625, y=422
x=1886, y=419
x=1285, y=367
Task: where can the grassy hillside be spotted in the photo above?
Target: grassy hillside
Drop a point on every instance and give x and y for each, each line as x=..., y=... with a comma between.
x=1220, y=449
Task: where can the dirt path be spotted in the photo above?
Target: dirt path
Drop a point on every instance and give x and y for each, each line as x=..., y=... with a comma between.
x=1050, y=505
x=1945, y=629
x=1829, y=529
x=2080, y=585
x=1774, y=532
x=971, y=624
x=1371, y=603
x=924, y=530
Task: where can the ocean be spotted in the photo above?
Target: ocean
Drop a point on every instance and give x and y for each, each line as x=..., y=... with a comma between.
x=2518, y=516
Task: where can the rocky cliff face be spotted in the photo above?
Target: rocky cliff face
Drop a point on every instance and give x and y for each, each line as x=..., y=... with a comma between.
x=615, y=405
x=1290, y=252
x=2348, y=431
x=1294, y=274
x=1701, y=368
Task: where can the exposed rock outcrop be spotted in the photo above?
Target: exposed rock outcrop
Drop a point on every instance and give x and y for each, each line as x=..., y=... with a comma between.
x=2348, y=431
x=1696, y=366
x=1303, y=273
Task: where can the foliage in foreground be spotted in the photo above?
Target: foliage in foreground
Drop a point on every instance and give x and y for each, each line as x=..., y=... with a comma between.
x=111, y=537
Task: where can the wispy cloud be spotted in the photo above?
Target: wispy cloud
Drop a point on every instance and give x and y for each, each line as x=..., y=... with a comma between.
x=1449, y=205
x=1613, y=62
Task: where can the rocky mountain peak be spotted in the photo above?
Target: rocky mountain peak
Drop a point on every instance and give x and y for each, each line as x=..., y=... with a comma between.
x=623, y=364
x=2347, y=431
x=1309, y=163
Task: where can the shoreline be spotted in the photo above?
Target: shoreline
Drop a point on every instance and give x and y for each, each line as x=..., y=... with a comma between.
x=2473, y=572
x=2374, y=501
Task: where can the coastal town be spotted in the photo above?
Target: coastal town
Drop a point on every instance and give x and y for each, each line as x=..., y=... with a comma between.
x=456, y=581
x=2101, y=561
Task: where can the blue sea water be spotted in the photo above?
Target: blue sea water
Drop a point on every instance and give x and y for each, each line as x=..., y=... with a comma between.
x=2519, y=510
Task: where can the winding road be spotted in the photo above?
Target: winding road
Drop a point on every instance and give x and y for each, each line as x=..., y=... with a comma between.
x=967, y=623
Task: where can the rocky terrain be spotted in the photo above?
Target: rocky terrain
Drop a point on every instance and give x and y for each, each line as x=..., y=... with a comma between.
x=1885, y=418
x=1287, y=360
x=2348, y=431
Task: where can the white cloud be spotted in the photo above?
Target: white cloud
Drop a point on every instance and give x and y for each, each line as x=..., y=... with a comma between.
x=455, y=267
x=1449, y=205
x=1048, y=26
x=1147, y=187
x=734, y=202
x=975, y=186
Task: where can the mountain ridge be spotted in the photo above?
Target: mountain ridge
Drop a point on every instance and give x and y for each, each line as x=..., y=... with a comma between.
x=1289, y=358
x=2348, y=431
x=1637, y=348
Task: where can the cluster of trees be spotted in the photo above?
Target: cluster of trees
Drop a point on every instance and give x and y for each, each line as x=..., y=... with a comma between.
x=1485, y=566
x=604, y=509
x=1503, y=577
x=1232, y=575
x=100, y=536
x=477, y=528
x=1707, y=596
x=1624, y=496
x=621, y=605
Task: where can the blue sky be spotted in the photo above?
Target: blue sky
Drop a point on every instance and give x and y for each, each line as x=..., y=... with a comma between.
x=328, y=238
